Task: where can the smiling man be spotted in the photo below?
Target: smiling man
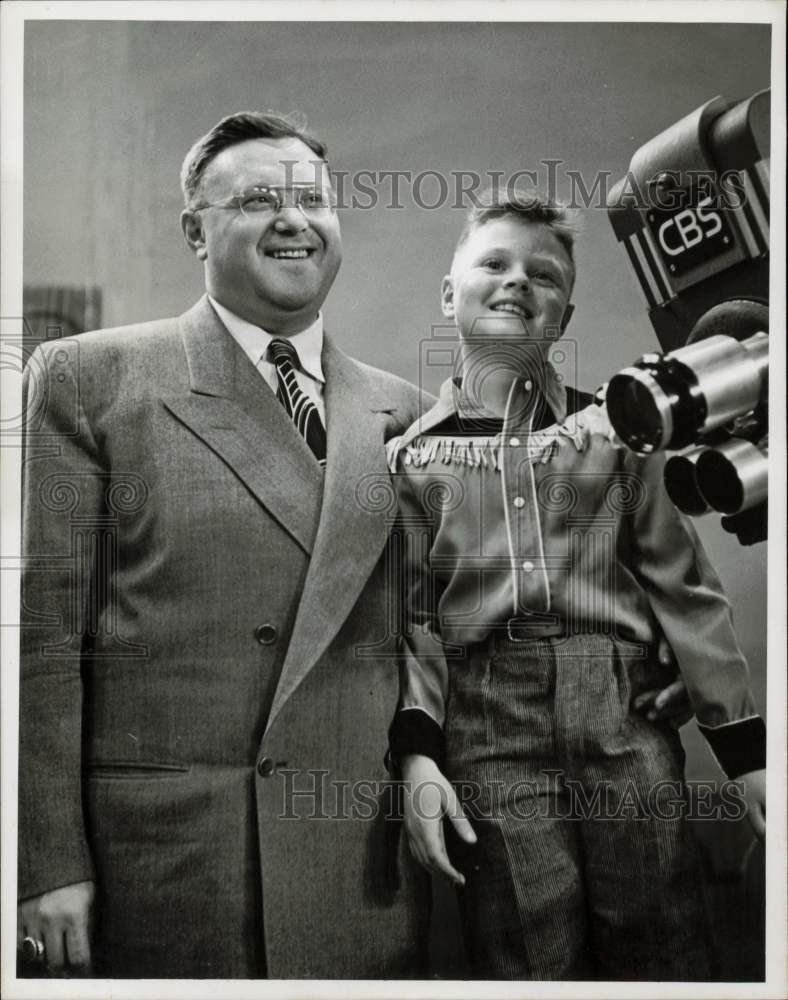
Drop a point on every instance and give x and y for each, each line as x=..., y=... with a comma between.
x=204, y=689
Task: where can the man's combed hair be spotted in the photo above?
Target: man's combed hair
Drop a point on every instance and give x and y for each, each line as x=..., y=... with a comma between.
x=240, y=127
x=527, y=205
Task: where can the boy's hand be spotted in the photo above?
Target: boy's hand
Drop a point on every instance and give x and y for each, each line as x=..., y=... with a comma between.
x=755, y=797
x=670, y=703
x=429, y=797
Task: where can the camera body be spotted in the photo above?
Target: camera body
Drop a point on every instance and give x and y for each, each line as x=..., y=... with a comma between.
x=692, y=214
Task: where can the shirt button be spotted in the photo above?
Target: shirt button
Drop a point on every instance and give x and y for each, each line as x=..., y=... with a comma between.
x=518, y=502
x=528, y=385
x=528, y=566
x=265, y=767
x=514, y=442
x=265, y=634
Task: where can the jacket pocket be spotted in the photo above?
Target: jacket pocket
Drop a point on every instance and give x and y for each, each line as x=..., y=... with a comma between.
x=134, y=769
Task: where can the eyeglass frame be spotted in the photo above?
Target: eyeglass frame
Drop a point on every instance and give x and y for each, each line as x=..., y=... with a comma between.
x=234, y=201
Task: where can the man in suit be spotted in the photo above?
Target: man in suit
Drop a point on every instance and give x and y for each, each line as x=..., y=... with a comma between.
x=205, y=685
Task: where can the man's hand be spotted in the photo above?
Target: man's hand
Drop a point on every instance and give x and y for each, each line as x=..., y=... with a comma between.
x=670, y=703
x=429, y=797
x=755, y=798
x=61, y=920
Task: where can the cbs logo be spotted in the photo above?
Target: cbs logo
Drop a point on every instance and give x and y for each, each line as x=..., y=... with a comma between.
x=688, y=228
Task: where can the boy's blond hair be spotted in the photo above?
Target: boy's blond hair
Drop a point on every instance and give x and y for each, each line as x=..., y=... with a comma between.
x=525, y=205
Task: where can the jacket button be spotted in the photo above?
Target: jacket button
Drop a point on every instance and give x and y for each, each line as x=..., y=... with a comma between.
x=265, y=767
x=265, y=634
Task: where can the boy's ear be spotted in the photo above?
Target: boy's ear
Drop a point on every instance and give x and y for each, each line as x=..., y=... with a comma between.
x=447, y=297
x=566, y=317
x=194, y=234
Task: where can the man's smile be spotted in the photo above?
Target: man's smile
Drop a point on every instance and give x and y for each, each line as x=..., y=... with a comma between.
x=293, y=253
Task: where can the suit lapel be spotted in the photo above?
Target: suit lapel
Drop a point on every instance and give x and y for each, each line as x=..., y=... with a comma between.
x=353, y=529
x=240, y=419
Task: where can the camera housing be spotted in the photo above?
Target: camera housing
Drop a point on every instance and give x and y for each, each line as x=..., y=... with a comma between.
x=692, y=213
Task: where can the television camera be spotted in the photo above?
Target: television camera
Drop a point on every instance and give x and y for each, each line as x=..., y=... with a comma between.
x=692, y=213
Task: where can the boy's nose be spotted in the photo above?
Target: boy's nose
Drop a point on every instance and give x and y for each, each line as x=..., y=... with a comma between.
x=518, y=279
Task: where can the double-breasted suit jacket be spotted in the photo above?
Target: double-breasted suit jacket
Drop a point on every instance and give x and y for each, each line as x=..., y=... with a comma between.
x=206, y=675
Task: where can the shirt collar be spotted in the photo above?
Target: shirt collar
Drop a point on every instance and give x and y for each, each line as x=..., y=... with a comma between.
x=550, y=387
x=554, y=392
x=254, y=340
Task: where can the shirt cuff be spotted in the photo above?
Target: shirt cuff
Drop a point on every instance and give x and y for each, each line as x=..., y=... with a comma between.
x=738, y=746
x=414, y=731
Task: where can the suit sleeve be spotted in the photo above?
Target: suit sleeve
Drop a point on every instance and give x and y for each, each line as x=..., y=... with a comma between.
x=61, y=487
x=688, y=601
x=423, y=676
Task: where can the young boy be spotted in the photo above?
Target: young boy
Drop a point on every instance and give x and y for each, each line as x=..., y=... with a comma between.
x=542, y=562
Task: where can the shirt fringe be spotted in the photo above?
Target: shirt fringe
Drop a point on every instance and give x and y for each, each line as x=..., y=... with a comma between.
x=478, y=453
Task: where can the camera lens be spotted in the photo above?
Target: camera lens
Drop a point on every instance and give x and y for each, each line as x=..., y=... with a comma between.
x=671, y=401
x=734, y=476
x=681, y=483
x=641, y=402
x=637, y=398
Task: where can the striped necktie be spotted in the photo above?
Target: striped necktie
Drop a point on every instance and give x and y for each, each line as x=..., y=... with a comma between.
x=299, y=406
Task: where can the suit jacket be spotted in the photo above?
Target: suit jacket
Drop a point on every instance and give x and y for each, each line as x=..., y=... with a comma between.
x=207, y=676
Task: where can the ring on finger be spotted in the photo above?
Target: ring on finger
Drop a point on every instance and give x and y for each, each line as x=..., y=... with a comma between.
x=33, y=949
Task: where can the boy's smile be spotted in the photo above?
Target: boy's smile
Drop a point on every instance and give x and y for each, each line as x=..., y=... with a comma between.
x=510, y=280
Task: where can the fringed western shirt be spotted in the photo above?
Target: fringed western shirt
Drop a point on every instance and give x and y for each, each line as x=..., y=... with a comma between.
x=545, y=518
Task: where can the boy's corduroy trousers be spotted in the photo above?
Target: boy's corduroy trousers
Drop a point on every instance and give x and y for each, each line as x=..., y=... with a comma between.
x=585, y=866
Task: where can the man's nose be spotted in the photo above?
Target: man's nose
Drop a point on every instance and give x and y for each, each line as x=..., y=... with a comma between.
x=290, y=219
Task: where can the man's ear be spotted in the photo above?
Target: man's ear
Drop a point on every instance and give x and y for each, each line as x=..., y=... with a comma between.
x=566, y=317
x=193, y=232
x=447, y=297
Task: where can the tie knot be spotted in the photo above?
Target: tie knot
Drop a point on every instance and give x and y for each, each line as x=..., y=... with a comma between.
x=280, y=350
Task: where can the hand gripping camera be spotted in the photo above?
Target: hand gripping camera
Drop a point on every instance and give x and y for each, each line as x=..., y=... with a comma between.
x=693, y=216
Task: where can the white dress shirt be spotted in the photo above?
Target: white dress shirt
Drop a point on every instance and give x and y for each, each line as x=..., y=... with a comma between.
x=254, y=341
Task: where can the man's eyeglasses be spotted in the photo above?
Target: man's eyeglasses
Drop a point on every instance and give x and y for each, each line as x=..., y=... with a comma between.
x=260, y=200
